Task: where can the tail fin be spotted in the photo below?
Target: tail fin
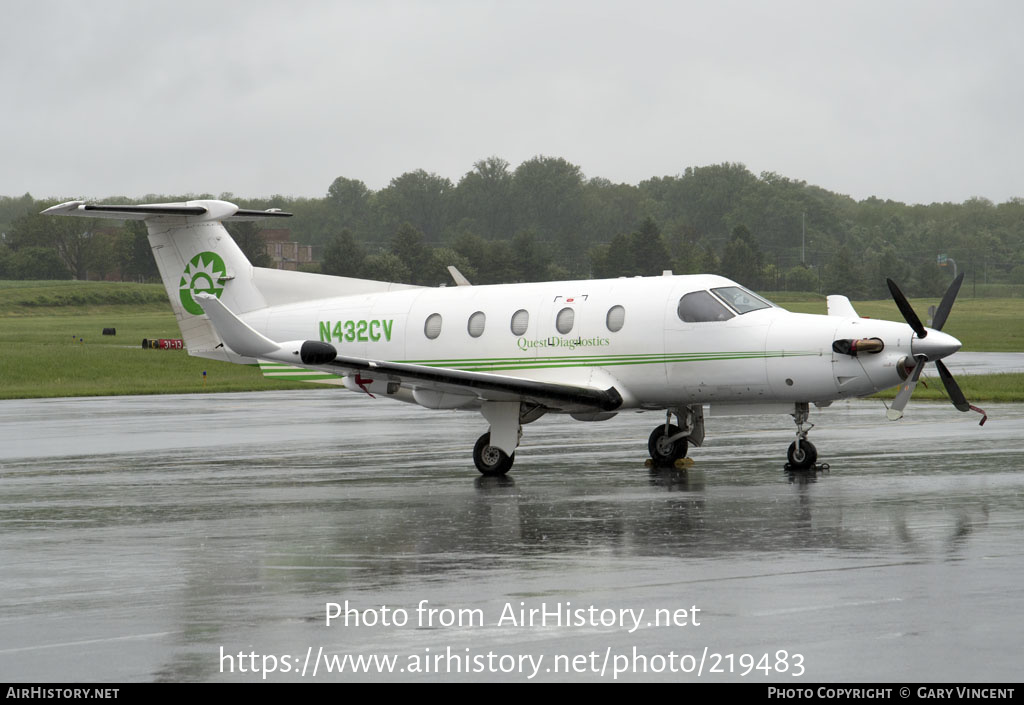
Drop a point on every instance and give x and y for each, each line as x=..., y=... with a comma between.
x=194, y=254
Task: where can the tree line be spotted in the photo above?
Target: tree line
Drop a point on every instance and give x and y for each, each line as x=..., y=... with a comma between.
x=545, y=220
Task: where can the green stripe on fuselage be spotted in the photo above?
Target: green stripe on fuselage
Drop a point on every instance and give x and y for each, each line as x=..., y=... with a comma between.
x=499, y=364
x=527, y=363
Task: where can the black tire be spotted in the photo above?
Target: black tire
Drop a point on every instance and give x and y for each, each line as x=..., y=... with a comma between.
x=663, y=453
x=489, y=460
x=805, y=458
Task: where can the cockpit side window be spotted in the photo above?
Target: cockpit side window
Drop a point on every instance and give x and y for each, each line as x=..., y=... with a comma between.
x=702, y=307
x=740, y=299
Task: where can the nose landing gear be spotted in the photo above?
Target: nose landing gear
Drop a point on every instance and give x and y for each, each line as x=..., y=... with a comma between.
x=802, y=454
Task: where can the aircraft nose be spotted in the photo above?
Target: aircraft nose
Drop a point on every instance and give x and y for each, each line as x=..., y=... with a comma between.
x=935, y=346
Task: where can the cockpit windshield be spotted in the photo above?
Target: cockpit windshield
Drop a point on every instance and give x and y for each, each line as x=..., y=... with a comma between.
x=702, y=307
x=740, y=299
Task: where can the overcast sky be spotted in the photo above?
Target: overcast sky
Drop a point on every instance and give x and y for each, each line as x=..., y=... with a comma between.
x=915, y=101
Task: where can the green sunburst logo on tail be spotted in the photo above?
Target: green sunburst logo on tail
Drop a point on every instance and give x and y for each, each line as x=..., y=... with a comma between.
x=201, y=275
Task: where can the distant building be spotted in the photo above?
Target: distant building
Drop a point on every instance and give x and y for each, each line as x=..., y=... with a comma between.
x=285, y=253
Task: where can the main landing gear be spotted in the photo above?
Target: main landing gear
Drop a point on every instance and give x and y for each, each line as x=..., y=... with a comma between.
x=669, y=442
x=495, y=451
x=490, y=460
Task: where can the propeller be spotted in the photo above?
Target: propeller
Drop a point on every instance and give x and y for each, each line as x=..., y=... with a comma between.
x=905, y=308
x=946, y=305
x=952, y=388
x=895, y=411
x=933, y=350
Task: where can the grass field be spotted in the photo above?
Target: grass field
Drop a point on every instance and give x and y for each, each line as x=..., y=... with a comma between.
x=63, y=353
x=977, y=388
x=51, y=343
x=32, y=298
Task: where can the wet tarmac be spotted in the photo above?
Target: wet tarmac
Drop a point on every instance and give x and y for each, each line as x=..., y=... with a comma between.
x=202, y=538
x=984, y=363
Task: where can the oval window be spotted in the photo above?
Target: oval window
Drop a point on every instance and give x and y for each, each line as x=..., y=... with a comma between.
x=615, y=319
x=476, y=324
x=432, y=328
x=564, y=319
x=520, y=321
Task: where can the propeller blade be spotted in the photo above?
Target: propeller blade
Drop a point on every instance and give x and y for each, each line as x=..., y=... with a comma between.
x=952, y=388
x=942, y=313
x=904, y=306
x=895, y=411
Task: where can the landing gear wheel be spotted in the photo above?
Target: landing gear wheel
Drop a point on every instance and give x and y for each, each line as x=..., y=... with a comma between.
x=490, y=460
x=664, y=452
x=802, y=458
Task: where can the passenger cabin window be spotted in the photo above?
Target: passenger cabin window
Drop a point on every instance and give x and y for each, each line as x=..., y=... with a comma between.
x=476, y=324
x=432, y=326
x=740, y=299
x=520, y=321
x=615, y=319
x=564, y=320
x=702, y=307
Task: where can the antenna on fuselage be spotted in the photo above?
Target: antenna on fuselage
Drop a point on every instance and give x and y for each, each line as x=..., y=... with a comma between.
x=460, y=279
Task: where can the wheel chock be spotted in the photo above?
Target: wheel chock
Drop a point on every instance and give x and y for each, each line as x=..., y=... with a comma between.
x=680, y=464
x=818, y=467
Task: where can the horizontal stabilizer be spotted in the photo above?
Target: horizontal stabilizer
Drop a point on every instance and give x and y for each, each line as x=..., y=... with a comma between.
x=196, y=210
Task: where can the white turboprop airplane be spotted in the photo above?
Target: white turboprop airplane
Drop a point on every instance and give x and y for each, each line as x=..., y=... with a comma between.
x=517, y=351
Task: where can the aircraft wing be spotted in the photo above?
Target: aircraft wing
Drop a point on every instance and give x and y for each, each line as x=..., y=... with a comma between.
x=484, y=386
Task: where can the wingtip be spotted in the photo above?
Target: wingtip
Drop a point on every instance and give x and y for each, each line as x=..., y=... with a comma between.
x=63, y=208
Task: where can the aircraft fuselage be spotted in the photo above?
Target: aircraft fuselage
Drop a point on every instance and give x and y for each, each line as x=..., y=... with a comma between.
x=626, y=330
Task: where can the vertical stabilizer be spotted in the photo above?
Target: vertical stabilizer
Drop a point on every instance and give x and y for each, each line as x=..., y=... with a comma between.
x=201, y=257
x=195, y=254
